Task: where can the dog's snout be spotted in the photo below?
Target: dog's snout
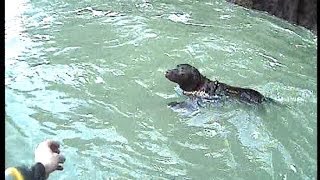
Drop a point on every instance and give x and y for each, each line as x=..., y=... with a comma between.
x=166, y=74
x=168, y=71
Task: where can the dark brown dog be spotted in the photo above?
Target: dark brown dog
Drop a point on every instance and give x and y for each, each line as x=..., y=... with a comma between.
x=190, y=80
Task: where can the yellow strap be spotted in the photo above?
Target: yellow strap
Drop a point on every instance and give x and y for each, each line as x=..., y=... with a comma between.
x=15, y=173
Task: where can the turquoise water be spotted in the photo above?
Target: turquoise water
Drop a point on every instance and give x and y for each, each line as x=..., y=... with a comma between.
x=94, y=80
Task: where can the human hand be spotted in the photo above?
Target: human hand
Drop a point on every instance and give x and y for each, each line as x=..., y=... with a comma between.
x=48, y=154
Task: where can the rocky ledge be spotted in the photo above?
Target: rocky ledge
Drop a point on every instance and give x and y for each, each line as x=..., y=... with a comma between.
x=300, y=12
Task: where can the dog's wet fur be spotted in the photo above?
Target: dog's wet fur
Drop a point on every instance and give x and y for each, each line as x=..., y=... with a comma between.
x=190, y=79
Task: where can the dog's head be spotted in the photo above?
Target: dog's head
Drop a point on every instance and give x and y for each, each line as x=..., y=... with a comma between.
x=187, y=76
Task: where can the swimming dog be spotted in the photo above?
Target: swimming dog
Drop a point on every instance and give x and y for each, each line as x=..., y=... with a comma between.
x=193, y=83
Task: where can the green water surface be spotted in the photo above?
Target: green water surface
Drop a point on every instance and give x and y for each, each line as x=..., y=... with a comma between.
x=94, y=80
